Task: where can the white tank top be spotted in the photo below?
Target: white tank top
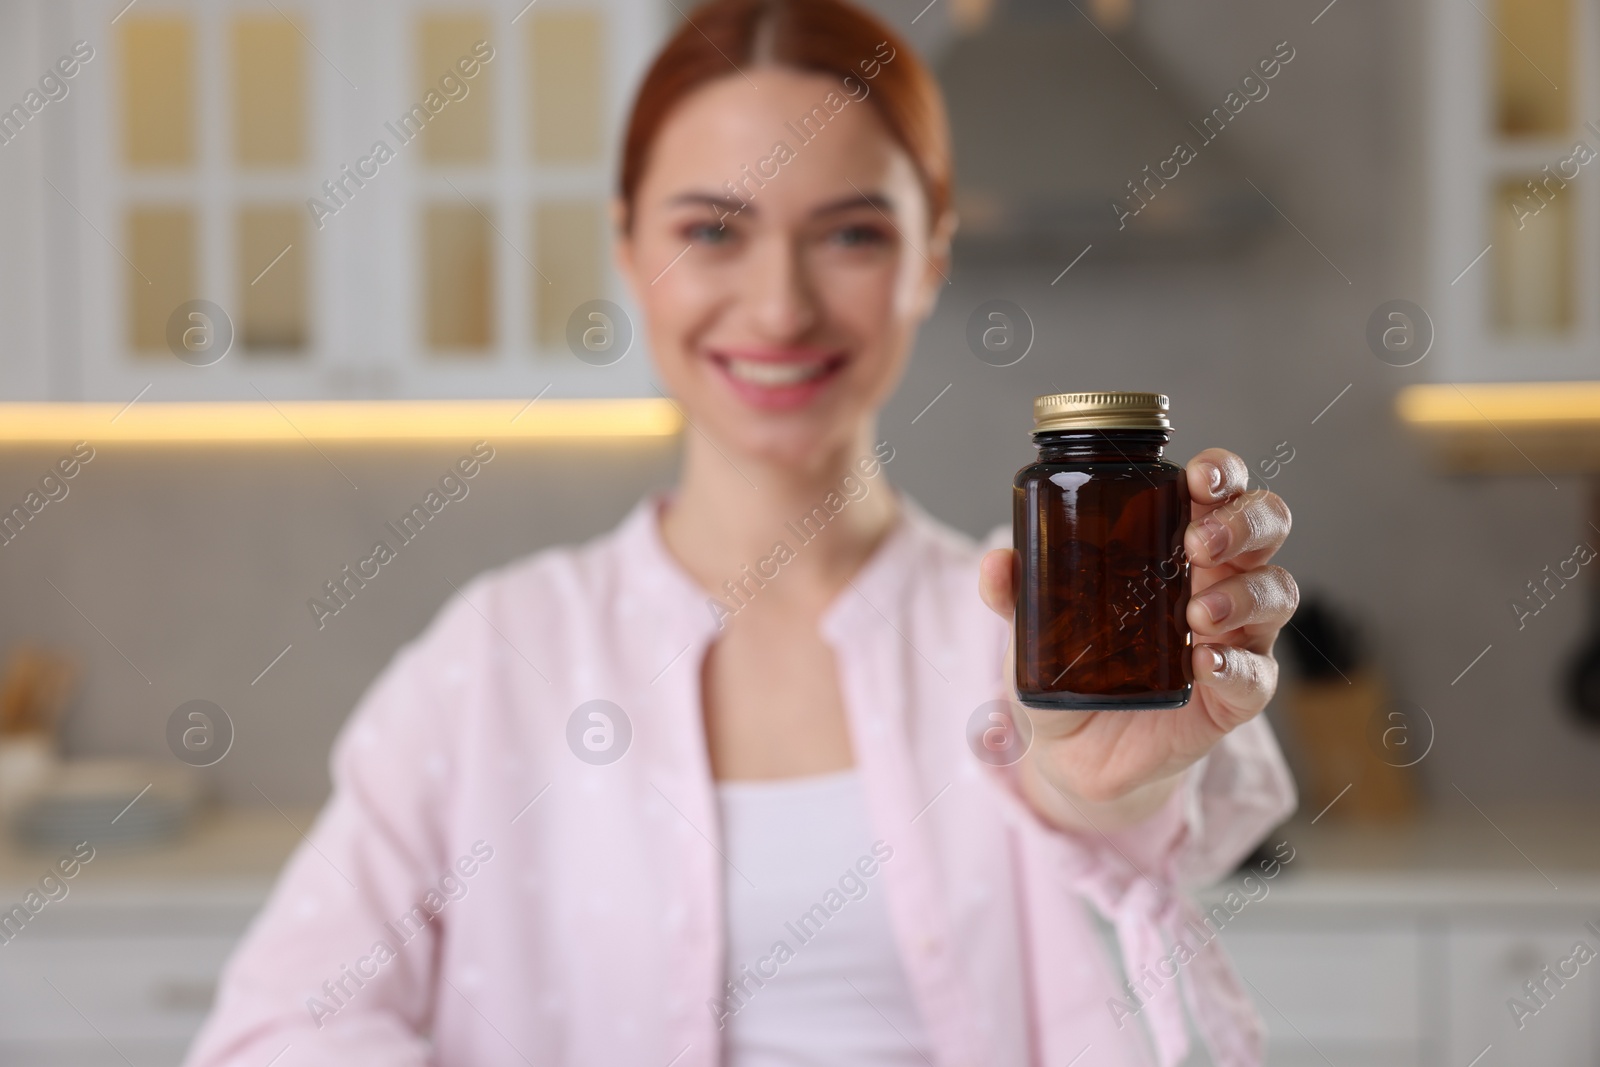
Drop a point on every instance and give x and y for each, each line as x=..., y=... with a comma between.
x=815, y=972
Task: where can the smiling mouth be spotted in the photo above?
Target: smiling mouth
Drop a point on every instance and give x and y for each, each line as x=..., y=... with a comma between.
x=777, y=374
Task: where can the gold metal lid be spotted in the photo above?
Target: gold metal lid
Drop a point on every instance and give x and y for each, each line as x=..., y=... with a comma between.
x=1100, y=411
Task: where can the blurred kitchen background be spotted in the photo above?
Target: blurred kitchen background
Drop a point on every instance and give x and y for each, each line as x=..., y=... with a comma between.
x=1377, y=279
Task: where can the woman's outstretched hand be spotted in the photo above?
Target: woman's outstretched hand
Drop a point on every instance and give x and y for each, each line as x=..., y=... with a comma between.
x=1107, y=770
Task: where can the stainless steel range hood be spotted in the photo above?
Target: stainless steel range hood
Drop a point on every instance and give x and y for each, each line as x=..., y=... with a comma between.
x=1055, y=121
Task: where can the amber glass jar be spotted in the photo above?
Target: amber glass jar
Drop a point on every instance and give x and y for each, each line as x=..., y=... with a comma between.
x=1103, y=582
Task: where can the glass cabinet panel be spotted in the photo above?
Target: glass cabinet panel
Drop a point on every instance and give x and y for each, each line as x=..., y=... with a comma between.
x=157, y=91
x=271, y=273
x=458, y=267
x=569, y=240
x=161, y=272
x=1532, y=43
x=458, y=124
x=269, y=87
x=565, y=60
x=1533, y=247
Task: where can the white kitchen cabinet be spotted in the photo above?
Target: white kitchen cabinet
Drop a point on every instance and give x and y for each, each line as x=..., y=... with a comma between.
x=123, y=968
x=1399, y=943
x=146, y=994
x=1351, y=991
x=1358, y=976
x=100, y=976
x=1513, y=236
x=1487, y=968
x=448, y=271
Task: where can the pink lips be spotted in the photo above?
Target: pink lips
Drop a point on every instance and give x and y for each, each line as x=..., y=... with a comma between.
x=777, y=379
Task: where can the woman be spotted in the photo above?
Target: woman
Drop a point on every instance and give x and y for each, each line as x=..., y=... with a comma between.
x=698, y=792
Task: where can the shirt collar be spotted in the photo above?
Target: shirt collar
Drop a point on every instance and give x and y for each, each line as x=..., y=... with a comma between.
x=872, y=593
x=652, y=568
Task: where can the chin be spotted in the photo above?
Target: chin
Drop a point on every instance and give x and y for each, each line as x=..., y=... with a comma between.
x=794, y=441
x=788, y=407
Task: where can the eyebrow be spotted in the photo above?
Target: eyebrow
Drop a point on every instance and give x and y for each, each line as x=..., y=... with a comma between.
x=733, y=206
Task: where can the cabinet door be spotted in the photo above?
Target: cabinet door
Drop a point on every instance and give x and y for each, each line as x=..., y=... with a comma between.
x=1345, y=995
x=63, y=992
x=1487, y=971
x=254, y=225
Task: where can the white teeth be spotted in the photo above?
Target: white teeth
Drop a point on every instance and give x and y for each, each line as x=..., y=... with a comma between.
x=774, y=374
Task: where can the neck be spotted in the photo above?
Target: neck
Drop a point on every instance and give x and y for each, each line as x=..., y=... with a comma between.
x=731, y=512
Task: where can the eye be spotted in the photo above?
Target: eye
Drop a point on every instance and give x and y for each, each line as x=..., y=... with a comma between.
x=707, y=233
x=859, y=235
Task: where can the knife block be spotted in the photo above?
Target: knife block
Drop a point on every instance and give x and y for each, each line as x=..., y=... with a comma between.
x=1339, y=726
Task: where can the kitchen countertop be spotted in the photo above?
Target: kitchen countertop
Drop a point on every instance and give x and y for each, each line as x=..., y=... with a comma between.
x=1455, y=857
x=228, y=852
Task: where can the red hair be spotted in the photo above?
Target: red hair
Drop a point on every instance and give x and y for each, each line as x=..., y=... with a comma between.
x=723, y=37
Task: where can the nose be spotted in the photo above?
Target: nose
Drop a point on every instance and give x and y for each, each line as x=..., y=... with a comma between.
x=782, y=303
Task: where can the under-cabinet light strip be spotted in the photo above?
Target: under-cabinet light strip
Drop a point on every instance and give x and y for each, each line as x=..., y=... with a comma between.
x=394, y=421
x=1445, y=406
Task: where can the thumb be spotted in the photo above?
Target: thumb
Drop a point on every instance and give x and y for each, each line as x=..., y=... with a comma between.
x=996, y=581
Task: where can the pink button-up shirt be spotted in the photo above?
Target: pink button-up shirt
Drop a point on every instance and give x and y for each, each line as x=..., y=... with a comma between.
x=483, y=888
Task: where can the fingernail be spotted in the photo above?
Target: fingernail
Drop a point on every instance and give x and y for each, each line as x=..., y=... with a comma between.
x=1217, y=605
x=1214, y=535
x=1216, y=663
x=1213, y=477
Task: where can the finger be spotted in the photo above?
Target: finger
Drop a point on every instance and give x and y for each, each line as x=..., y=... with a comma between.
x=1260, y=601
x=1238, y=683
x=995, y=583
x=1247, y=530
x=1215, y=476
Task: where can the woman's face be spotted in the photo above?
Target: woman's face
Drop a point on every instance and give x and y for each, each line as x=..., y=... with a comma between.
x=782, y=278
